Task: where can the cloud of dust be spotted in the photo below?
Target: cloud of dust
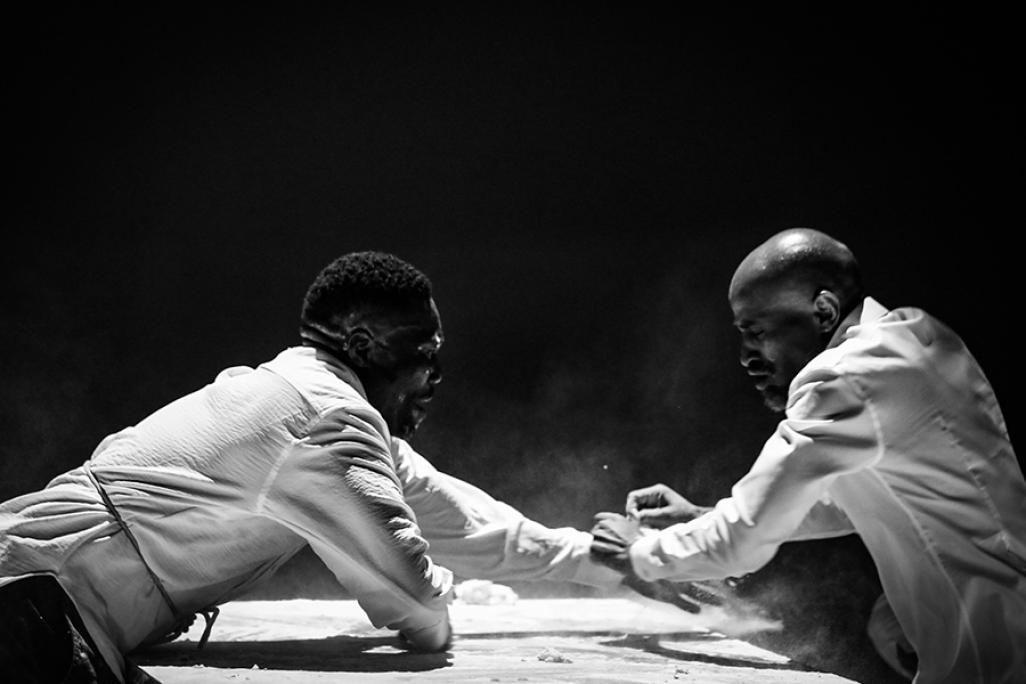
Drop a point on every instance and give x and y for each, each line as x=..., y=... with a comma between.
x=736, y=618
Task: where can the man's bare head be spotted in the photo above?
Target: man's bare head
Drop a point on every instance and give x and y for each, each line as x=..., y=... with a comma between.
x=803, y=259
x=788, y=296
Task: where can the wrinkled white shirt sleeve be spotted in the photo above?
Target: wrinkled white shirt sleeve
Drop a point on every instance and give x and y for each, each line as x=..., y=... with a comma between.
x=337, y=488
x=829, y=430
x=478, y=537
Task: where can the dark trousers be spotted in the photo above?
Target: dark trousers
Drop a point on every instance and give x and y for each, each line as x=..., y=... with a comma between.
x=42, y=638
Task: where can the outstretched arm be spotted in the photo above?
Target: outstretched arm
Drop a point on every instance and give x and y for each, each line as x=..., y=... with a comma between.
x=479, y=537
x=658, y=506
x=829, y=431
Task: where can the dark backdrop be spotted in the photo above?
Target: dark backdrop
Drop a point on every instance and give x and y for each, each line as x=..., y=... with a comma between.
x=579, y=184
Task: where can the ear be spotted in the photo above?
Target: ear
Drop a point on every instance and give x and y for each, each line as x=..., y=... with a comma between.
x=357, y=347
x=827, y=310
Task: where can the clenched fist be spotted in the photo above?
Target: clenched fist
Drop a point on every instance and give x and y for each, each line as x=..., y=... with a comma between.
x=613, y=535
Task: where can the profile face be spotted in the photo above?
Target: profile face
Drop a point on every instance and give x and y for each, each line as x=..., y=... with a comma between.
x=779, y=336
x=403, y=368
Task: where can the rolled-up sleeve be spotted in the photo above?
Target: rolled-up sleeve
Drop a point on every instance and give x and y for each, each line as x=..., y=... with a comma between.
x=829, y=430
x=477, y=536
x=336, y=487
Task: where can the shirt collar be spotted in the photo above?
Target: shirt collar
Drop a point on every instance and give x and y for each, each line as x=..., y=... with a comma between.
x=336, y=366
x=322, y=343
x=868, y=310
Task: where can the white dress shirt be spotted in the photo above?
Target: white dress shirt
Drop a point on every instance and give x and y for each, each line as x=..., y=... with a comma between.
x=224, y=485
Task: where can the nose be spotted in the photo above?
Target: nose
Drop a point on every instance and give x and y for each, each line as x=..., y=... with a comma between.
x=748, y=354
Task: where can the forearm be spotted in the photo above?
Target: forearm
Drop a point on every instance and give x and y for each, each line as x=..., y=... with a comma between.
x=514, y=548
x=338, y=490
x=716, y=545
x=388, y=599
x=742, y=532
x=829, y=431
x=479, y=537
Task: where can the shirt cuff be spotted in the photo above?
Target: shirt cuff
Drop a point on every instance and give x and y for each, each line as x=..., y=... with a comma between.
x=644, y=560
x=591, y=572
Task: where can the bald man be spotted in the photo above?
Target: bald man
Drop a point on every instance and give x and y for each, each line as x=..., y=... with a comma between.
x=890, y=431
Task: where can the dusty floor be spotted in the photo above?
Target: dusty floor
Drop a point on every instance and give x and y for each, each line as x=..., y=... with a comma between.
x=530, y=640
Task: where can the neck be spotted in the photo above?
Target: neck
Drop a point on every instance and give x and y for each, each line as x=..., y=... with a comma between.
x=312, y=335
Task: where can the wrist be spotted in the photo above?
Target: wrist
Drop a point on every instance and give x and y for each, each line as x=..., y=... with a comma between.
x=642, y=560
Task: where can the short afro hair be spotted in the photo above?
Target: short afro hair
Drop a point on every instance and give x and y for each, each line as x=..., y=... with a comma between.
x=362, y=279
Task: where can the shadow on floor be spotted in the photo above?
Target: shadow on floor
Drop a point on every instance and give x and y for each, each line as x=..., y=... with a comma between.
x=334, y=654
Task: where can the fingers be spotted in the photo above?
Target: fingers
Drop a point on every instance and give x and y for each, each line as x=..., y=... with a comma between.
x=703, y=593
x=605, y=516
x=656, y=517
x=607, y=547
x=653, y=496
x=663, y=591
x=612, y=555
x=615, y=522
x=601, y=533
x=607, y=540
x=607, y=523
x=652, y=493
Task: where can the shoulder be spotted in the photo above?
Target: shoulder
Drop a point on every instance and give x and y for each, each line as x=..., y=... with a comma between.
x=326, y=385
x=898, y=341
x=888, y=350
x=314, y=375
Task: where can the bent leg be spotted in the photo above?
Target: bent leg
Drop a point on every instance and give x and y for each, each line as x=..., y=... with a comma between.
x=889, y=640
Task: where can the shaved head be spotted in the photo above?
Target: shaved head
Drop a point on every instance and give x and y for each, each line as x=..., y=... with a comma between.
x=802, y=259
x=789, y=296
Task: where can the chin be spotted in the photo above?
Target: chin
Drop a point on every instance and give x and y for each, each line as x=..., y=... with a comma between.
x=404, y=432
x=406, y=429
x=775, y=401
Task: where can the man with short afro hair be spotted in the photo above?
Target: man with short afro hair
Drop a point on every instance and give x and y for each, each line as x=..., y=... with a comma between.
x=209, y=495
x=361, y=279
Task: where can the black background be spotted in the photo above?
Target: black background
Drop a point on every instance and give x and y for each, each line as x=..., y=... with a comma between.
x=578, y=182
